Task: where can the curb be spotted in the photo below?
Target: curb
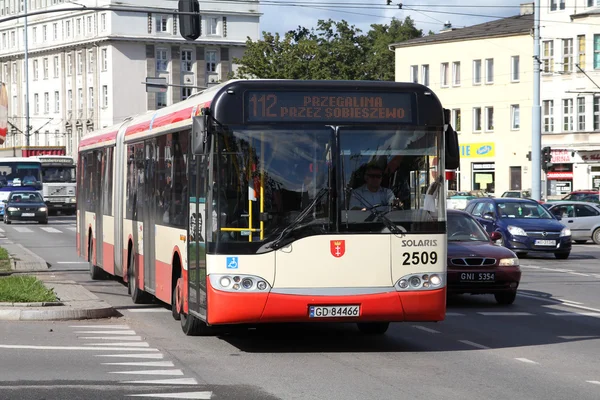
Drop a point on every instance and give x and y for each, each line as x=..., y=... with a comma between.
x=59, y=313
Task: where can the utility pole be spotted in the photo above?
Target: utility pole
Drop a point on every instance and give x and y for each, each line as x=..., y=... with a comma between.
x=536, y=110
x=26, y=78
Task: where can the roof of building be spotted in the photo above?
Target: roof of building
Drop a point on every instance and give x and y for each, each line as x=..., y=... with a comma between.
x=510, y=26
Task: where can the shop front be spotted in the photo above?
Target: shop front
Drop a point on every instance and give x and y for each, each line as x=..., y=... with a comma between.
x=484, y=176
x=559, y=178
x=592, y=158
x=482, y=173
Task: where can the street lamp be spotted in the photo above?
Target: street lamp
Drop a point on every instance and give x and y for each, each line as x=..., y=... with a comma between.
x=26, y=77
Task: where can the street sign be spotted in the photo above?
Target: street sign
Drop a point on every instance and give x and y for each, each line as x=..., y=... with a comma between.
x=156, y=85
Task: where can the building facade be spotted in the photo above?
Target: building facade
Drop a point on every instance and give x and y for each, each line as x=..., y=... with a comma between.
x=570, y=62
x=484, y=74
x=87, y=68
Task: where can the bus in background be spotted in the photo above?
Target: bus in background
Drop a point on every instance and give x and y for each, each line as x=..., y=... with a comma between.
x=246, y=204
x=20, y=173
x=59, y=182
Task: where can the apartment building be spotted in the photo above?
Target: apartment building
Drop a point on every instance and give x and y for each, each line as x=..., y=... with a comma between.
x=484, y=74
x=86, y=68
x=570, y=60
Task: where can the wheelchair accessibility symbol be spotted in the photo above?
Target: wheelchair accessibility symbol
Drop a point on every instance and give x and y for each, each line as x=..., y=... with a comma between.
x=232, y=263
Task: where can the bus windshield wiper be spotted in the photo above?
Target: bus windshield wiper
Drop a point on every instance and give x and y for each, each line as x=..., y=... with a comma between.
x=287, y=230
x=395, y=229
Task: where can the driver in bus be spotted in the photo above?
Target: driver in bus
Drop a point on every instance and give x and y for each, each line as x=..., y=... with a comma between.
x=372, y=193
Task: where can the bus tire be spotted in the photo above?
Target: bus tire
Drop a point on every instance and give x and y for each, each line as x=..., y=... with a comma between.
x=176, y=299
x=138, y=296
x=373, y=328
x=192, y=326
x=96, y=272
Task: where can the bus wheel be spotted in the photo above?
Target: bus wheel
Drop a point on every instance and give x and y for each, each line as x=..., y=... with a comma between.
x=192, y=326
x=96, y=272
x=137, y=295
x=177, y=300
x=373, y=328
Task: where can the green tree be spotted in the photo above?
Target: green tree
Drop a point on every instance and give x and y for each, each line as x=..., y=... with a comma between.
x=334, y=50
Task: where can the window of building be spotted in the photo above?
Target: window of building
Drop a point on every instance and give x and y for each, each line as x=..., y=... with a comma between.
x=78, y=26
x=46, y=103
x=34, y=35
x=414, y=73
x=444, y=74
x=581, y=113
x=90, y=25
x=36, y=103
x=515, y=69
x=35, y=70
x=44, y=33
x=567, y=55
x=425, y=74
x=161, y=100
x=54, y=31
x=489, y=70
x=596, y=51
x=90, y=61
x=56, y=102
x=91, y=98
x=186, y=61
x=79, y=63
x=68, y=29
x=213, y=24
x=211, y=61
x=162, y=61
x=456, y=121
x=515, y=117
x=162, y=23
x=567, y=115
x=103, y=22
x=477, y=119
x=476, y=72
x=548, y=56
x=56, y=66
x=14, y=73
x=105, y=96
x=69, y=100
x=46, y=67
x=186, y=92
x=456, y=73
x=104, y=55
x=489, y=119
x=13, y=39
x=80, y=99
x=69, y=64
x=581, y=51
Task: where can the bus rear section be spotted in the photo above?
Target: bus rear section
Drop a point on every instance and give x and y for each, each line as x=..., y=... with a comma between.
x=319, y=202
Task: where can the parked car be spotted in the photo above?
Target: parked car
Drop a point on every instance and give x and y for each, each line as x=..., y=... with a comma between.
x=526, y=194
x=459, y=201
x=26, y=206
x=526, y=226
x=475, y=264
x=583, y=218
x=592, y=196
x=3, y=201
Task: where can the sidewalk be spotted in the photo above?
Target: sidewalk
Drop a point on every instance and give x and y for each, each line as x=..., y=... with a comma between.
x=74, y=301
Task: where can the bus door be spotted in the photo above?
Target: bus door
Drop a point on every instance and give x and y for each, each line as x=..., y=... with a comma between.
x=82, y=197
x=197, y=234
x=97, y=205
x=149, y=214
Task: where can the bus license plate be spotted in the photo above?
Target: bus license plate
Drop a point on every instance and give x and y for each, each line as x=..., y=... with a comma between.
x=545, y=242
x=334, y=311
x=28, y=215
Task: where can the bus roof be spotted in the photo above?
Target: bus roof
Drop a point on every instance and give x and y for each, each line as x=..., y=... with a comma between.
x=18, y=159
x=179, y=115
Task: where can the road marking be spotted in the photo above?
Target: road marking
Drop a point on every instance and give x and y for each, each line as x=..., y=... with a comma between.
x=577, y=273
x=426, y=329
x=578, y=337
x=503, y=314
x=22, y=229
x=50, y=230
x=100, y=326
x=183, y=395
x=454, y=314
x=144, y=364
x=29, y=347
x=154, y=356
x=148, y=310
x=116, y=332
x=134, y=344
x=594, y=382
x=166, y=372
x=556, y=269
x=176, y=381
x=568, y=301
x=479, y=346
x=72, y=228
x=132, y=338
x=526, y=360
x=529, y=266
x=1, y=230
x=71, y=262
x=569, y=304
x=575, y=314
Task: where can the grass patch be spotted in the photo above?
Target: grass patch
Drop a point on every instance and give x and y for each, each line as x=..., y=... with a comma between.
x=24, y=289
x=4, y=260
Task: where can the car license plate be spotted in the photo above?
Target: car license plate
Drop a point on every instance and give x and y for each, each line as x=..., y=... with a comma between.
x=477, y=276
x=545, y=242
x=333, y=311
x=28, y=215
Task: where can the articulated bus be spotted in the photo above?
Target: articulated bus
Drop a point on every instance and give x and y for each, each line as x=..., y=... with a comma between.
x=58, y=174
x=253, y=202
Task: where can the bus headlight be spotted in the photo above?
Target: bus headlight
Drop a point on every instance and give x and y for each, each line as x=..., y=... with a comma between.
x=239, y=283
x=426, y=281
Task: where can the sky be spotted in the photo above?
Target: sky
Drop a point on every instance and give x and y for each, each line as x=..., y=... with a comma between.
x=280, y=16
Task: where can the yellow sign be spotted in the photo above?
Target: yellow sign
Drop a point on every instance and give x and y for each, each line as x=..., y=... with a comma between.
x=477, y=150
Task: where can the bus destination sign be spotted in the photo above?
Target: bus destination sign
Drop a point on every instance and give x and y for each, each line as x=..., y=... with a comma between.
x=274, y=106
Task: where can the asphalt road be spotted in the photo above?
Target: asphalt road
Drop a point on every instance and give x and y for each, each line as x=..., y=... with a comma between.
x=545, y=346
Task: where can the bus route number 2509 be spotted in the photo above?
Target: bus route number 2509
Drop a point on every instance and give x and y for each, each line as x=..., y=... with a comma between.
x=419, y=257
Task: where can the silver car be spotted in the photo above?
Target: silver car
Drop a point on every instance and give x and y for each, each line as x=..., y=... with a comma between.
x=581, y=217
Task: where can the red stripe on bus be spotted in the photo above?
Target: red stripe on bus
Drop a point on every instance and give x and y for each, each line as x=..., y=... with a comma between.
x=106, y=137
x=108, y=258
x=161, y=121
x=425, y=306
x=139, y=269
x=162, y=278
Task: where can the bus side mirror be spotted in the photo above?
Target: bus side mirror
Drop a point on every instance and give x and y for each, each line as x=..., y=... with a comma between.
x=452, y=149
x=200, y=143
x=189, y=24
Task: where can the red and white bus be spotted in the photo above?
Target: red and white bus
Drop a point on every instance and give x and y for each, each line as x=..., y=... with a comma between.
x=261, y=201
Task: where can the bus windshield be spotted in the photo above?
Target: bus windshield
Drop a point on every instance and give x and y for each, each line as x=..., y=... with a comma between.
x=20, y=173
x=59, y=174
x=269, y=179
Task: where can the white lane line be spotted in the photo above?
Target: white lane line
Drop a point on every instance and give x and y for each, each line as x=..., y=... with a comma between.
x=72, y=228
x=577, y=337
x=132, y=344
x=144, y=364
x=469, y=343
x=154, y=356
x=100, y=326
x=556, y=269
x=71, y=262
x=50, y=230
x=566, y=304
x=529, y=266
x=115, y=332
x=568, y=301
x=22, y=229
x=526, y=360
x=577, y=273
x=575, y=314
x=148, y=310
x=503, y=314
x=454, y=314
x=29, y=347
x=594, y=382
x=131, y=338
x=165, y=372
x=182, y=395
x=176, y=381
x=425, y=329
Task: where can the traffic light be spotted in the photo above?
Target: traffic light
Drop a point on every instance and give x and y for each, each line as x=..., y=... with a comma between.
x=546, y=158
x=189, y=25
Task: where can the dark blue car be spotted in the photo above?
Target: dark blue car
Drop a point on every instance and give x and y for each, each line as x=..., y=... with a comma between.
x=526, y=226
